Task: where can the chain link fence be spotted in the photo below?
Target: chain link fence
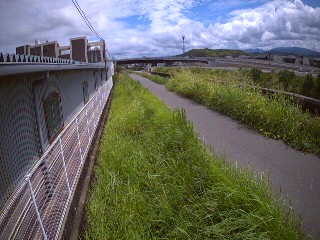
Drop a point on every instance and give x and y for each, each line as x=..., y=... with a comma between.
x=38, y=206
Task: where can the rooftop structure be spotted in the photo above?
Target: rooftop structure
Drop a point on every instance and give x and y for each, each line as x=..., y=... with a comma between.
x=80, y=49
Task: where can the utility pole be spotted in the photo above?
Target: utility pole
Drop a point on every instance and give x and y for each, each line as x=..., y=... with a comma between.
x=183, y=49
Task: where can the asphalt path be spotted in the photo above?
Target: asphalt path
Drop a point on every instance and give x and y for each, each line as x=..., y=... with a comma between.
x=294, y=174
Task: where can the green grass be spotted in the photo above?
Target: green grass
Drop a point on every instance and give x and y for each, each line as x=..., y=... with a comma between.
x=155, y=78
x=277, y=117
x=155, y=180
x=284, y=80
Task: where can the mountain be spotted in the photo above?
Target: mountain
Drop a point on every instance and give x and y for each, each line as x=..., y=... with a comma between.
x=295, y=51
x=256, y=50
x=206, y=52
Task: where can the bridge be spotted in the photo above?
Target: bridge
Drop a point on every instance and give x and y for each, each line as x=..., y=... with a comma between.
x=226, y=62
x=169, y=60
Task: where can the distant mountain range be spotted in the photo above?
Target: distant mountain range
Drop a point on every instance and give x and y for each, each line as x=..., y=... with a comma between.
x=256, y=50
x=206, y=52
x=287, y=51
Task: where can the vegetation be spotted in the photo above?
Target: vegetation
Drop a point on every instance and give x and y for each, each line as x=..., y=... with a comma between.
x=214, y=53
x=284, y=80
x=155, y=78
x=155, y=180
x=118, y=68
x=278, y=117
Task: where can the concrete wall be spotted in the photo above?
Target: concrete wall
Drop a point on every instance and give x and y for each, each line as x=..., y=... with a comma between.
x=20, y=144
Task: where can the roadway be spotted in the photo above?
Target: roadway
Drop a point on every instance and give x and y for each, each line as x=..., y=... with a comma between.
x=225, y=62
x=293, y=173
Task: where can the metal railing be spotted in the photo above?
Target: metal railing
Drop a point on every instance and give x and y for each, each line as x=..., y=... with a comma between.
x=38, y=207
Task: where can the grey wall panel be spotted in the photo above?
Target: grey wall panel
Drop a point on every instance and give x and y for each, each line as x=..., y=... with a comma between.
x=19, y=143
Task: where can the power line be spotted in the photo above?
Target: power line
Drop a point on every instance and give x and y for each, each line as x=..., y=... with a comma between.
x=83, y=15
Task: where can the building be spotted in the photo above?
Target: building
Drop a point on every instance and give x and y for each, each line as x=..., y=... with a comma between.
x=80, y=49
x=94, y=55
x=23, y=50
x=314, y=62
x=49, y=112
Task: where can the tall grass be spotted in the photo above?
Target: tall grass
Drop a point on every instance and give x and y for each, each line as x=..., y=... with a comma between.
x=155, y=180
x=284, y=80
x=155, y=78
x=278, y=116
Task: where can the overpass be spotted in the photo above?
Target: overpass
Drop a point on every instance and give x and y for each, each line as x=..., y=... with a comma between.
x=170, y=60
x=226, y=62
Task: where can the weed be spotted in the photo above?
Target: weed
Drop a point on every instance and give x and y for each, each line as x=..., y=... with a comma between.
x=155, y=180
x=275, y=116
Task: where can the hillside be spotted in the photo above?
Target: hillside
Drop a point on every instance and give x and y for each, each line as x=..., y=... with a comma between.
x=206, y=52
x=296, y=51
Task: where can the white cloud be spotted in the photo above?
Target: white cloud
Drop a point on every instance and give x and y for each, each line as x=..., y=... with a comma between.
x=273, y=24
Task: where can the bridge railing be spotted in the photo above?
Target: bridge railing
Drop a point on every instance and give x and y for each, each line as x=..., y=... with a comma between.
x=37, y=209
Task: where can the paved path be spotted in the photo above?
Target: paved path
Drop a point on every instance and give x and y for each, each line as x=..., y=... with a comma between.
x=295, y=173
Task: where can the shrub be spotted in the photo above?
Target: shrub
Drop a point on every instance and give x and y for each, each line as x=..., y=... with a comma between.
x=118, y=68
x=255, y=74
x=285, y=78
x=308, y=85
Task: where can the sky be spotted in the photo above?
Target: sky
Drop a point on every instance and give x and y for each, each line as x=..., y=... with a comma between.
x=137, y=28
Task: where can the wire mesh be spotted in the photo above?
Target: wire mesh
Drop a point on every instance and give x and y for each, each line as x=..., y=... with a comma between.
x=53, y=178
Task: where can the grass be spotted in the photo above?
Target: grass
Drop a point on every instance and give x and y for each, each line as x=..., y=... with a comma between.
x=278, y=117
x=155, y=78
x=155, y=180
x=284, y=80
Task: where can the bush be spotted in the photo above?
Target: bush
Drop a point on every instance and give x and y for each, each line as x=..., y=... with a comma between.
x=308, y=85
x=255, y=74
x=285, y=78
x=118, y=68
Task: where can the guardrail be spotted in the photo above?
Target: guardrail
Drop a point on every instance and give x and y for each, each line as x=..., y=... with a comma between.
x=38, y=207
x=313, y=105
x=307, y=103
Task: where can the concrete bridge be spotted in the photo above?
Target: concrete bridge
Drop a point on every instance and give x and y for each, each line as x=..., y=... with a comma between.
x=169, y=60
x=226, y=62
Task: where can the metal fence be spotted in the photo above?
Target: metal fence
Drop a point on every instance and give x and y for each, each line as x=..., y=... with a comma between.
x=37, y=209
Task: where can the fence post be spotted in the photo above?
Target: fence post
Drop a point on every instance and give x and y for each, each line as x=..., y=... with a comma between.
x=78, y=135
x=36, y=207
x=64, y=166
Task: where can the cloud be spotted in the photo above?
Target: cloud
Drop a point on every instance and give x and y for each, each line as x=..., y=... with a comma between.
x=159, y=24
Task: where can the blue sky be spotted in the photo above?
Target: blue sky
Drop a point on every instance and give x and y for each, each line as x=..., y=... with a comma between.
x=134, y=28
